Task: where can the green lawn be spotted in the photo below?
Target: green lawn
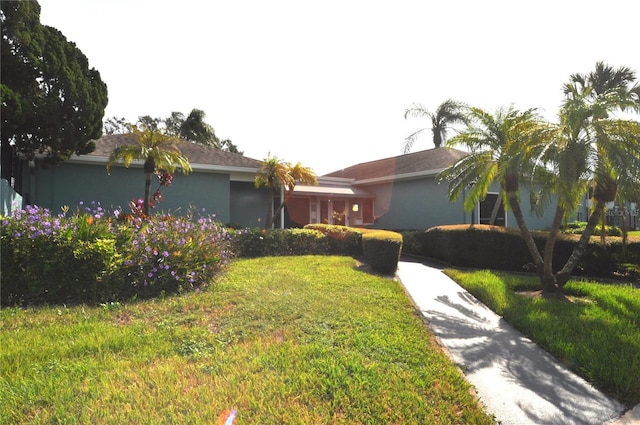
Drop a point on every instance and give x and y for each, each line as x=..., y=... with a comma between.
x=597, y=334
x=288, y=340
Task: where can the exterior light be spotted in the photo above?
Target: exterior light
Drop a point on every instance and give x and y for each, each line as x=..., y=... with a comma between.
x=355, y=207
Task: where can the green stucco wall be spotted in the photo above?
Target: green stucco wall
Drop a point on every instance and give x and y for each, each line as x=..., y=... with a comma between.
x=423, y=203
x=69, y=184
x=248, y=205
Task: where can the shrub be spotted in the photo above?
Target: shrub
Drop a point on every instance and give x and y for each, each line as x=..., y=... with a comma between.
x=52, y=259
x=503, y=248
x=92, y=257
x=173, y=254
x=342, y=240
x=577, y=227
x=276, y=242
x=381, y=249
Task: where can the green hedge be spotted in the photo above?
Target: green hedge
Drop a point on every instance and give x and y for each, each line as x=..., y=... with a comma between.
x=278, y=242
x=342, y=240
x=381, y=249
x=495, y=247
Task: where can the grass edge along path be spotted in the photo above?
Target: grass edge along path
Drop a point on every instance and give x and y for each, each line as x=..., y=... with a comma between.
x=287, y=340
x=596, y=335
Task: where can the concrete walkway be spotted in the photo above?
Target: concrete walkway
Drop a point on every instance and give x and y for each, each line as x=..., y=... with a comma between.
x=517, y=381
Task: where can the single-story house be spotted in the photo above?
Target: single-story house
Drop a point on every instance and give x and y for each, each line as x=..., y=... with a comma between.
x=400, y=192
x=393, y=193
x=221, y=183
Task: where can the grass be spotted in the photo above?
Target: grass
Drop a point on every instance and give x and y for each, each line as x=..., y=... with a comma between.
x=288, y=340
x=597, y=334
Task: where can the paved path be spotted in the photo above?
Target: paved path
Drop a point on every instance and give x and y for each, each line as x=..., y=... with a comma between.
x=517, y=381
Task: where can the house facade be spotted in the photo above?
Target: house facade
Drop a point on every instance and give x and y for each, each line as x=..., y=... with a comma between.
x=397, y=193
x=221, y=183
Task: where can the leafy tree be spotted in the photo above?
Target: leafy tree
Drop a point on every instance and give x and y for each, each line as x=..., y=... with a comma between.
x=587, y=149
x=160, y=152
x=450, y=112
x=52, y=102
x=274, y=174
x=229, y=146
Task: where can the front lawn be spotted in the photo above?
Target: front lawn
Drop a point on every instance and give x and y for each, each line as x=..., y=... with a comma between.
x=597, y=334
x=286, y=340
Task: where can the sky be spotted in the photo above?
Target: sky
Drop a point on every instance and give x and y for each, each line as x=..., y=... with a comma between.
x=327, y=83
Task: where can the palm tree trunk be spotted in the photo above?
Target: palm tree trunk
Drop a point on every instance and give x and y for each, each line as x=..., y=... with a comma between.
x=563, y=275
x=147, y=185
x=549, y=283
x=494, y=211
x=524, y=231
x=269, y=222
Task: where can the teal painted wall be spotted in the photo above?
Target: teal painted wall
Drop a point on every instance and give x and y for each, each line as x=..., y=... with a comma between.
x=69, y=184
x=423, y=203
x=248, y=205
x=415, y=204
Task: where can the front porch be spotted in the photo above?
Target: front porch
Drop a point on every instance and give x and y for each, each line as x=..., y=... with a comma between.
x=333, y=201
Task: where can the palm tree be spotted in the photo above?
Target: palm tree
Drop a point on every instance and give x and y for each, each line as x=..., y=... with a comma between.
x=275, y=174
x=605, y=150
x=501, y=150
x=450, y=112
x=195, y=129
x=586, y=149
x=160, y=152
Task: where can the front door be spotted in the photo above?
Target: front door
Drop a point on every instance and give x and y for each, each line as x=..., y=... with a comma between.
x=333, y=212
x=339, y=212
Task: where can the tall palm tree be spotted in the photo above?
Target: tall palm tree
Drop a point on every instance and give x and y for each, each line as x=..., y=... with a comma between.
x=605, y=149
x=450, y=112
x=195, y=129
x=160, y=152
x=275, y=174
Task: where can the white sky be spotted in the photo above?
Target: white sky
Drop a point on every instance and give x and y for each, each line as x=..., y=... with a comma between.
x=327, y=83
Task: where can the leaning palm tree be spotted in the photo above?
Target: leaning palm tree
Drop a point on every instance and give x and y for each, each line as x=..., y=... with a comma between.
x=502, y=150
x=160, y=152
x=275, y=174
x=450, y=112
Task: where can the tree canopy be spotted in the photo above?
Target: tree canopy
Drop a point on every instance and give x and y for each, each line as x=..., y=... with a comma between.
x=52, y=102
x=160, y=152
x=449, y=112
x=274, y=174
x=192, y=127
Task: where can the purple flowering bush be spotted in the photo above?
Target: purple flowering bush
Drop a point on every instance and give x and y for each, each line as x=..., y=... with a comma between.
x=92, y=255
x=173, y=254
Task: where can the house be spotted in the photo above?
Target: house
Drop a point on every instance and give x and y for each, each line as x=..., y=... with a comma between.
x=221, y=183
x=400, y=192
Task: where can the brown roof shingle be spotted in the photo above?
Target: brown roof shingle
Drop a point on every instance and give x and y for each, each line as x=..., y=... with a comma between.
x=197, y=154
x=423, y=161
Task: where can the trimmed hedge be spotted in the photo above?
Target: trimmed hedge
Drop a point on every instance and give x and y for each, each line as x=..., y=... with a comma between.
x=278, y=242
x=381, y=249
x=342, y=240
x=495, y=247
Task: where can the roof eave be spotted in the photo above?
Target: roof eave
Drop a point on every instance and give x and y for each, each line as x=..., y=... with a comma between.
x=399, y=177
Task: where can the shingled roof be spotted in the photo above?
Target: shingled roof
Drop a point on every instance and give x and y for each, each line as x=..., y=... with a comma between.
x=411, y=164
x=197, y=154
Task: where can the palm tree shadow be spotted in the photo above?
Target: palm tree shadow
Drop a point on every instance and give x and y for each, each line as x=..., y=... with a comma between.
x=483, y=344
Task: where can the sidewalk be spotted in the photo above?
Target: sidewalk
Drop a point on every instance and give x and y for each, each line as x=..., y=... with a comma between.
x=517, y=381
